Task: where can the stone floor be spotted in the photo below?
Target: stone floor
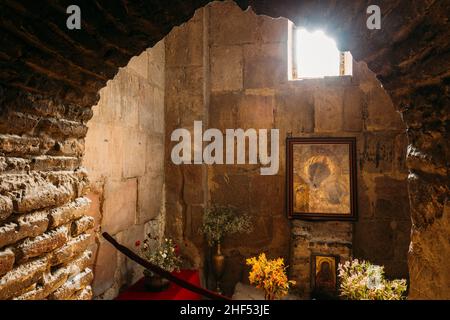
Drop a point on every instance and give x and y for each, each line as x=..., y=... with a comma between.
x=247, y=292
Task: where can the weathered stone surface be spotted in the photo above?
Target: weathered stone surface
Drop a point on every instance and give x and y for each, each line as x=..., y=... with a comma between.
x=41, y=189
x=328, y=110
x=79, y=263
x=255, y=111
x=49, y=283
x=186, y=50
x=150, y=197
x=410, y=67
x=33, y=247
x=14, y=145
x=68, y=212
x=83, y=294
x=6, y=207
x=226, y=68
x=353, y=109
x=7, y=234
x=243, y=29
x=7, y=259
x=71, y=249
x=105, y=268
x=22, y=277
x=81, y=225
x=49, y=163
x=32, y=225
x=294, y=111
x=119, y=207
x=72, y=285
x=272, y=57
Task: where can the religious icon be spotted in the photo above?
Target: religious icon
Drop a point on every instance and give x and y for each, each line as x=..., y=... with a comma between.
x=321, y=178
x=324, y=275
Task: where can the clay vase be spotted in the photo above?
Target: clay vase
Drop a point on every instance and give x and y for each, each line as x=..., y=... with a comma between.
x=218, y=265
x=154, y=282
x=269, y=296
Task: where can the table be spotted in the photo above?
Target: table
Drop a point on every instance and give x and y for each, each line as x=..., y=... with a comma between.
x=174, y=292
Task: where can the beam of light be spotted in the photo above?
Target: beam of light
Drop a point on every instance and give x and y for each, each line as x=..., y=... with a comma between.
x=317, y=55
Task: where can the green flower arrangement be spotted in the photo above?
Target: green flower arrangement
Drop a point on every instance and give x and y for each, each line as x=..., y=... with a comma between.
x=219, y=221
x=163, y=253
x=361, y=280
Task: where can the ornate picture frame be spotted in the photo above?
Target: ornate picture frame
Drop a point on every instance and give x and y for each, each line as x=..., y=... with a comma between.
x=321, y=178
x=324, y=275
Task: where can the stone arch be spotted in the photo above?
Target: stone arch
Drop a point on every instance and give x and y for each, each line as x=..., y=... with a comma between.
x=50, y=78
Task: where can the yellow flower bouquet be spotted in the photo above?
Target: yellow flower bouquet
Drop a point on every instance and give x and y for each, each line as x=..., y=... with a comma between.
x=269, y=275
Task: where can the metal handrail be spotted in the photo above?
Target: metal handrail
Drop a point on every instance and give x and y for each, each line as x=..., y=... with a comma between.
x=163, y=273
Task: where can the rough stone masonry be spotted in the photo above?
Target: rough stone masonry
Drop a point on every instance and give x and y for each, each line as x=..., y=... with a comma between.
x=44, y=226
x=50, y=78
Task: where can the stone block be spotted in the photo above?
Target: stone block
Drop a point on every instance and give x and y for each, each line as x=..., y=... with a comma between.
x=134, y=154
x=33, y=247
x=72, y=285
x=95, y=206
x=182, y=110
x=223, y=110
x=22, y=277
x=32, y=225
x=381, y=249
x=150, y=197
x=353, y=109
x=378, y=152
x=187, y=79
x=193, y=184
x=60, y=128
x=81, y=225
x=381, y=112
x=6, y=207
x=184, y=45
x=273, y=57
x=231, y=190
x=105, y=268
x=74, y=247
x=151, y=109
x=267, y=195
x=83, y=294
x=226, y=68
x=154, y=155
x=73, y=210
x=14, y=145
x=328, y=110
x=255, y=111
x=294, y=112
x=230, y=25
x=7, y=259
x=392, y=198
x=98, y=159
x=80, y=262
x=71, y=147
x=48, y=163
x=139, y=65
x=8, y=234
x=119, y=206
x=272, y=30
x=156, y=64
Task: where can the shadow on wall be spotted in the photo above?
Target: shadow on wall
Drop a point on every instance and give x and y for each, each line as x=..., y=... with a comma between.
x=124, y=157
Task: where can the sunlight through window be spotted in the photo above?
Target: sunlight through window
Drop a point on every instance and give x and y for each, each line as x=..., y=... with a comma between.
x=315, y=55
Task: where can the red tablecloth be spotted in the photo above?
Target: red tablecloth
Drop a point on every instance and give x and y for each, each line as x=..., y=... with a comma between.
x=174, y=292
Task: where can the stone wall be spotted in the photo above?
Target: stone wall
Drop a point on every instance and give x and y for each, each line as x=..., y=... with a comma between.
x=124, y=158
x=44, y=217
x=234, y=65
